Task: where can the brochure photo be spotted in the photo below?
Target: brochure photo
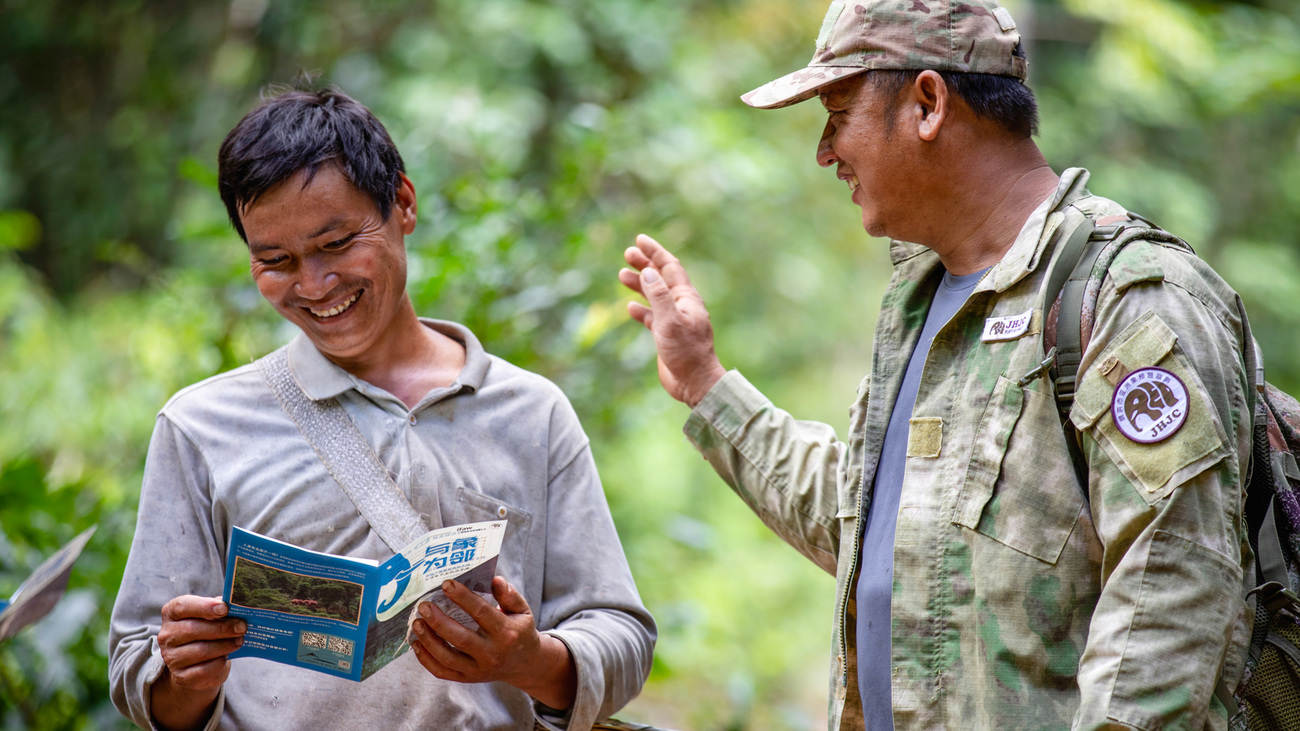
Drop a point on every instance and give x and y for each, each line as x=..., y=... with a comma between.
x=346, y=616
x=38, y=594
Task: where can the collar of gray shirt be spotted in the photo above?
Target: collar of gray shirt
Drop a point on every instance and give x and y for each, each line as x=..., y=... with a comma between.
x=321, y=379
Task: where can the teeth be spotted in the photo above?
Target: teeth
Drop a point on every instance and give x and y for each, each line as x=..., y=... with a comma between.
x=337, y=309
x=853, y=183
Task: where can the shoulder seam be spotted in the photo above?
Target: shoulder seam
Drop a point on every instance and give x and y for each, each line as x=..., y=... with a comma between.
x=216, y=378
x=207, y=463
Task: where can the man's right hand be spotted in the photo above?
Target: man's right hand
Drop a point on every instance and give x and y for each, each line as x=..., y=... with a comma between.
x=195, y=639
x=688, y=366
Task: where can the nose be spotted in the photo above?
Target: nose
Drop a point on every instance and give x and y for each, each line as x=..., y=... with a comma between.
x=825, y=154
x=315, y=278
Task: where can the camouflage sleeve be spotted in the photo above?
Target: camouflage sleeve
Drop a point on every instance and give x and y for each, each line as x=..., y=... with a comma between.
x=1164, y=412
x=786, y=470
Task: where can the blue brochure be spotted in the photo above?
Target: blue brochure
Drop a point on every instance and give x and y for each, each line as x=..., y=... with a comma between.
x=347, y=616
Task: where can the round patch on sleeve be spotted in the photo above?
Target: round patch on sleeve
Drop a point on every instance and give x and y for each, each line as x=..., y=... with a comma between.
x=1150, y=405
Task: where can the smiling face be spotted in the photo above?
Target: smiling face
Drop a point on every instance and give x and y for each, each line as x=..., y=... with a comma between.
x=859, y=141
x=328, y=262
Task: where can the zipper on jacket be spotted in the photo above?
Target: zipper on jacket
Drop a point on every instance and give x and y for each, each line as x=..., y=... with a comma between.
x=849, y=585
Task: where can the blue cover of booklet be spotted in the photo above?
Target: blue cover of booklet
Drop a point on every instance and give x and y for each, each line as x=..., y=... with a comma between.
x=348, y=616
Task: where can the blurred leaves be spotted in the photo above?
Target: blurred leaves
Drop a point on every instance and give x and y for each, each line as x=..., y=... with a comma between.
x=541, y=137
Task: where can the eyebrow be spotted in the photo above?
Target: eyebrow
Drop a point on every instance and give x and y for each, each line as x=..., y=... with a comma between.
x=330, y=225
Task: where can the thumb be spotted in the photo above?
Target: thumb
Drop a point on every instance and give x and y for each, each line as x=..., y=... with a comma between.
x=511, y=601
x=657, y=293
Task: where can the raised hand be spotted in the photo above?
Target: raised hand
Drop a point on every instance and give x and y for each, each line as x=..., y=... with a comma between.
x=676, y=316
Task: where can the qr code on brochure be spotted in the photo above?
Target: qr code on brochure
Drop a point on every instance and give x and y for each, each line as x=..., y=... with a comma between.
x=315, y=639
x=340, y=645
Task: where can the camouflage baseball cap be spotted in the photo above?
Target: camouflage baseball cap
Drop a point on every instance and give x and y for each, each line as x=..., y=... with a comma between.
x=974, y=36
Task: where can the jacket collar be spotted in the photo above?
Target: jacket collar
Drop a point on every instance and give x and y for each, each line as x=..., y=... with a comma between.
x=1026, y=251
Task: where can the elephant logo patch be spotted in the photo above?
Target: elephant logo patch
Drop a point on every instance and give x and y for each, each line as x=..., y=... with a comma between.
x=1150, y=405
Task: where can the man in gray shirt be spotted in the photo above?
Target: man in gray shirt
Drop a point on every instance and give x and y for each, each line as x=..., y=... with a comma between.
x=316, y=188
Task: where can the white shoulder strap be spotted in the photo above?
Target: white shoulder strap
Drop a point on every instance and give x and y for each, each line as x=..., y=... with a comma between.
x=346, y=454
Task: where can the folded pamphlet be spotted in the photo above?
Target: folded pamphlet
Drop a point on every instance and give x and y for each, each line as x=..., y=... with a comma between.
x=348, y=616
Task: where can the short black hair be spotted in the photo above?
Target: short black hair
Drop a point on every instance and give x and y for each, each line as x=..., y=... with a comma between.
x=304, y=131
x=1000, y=99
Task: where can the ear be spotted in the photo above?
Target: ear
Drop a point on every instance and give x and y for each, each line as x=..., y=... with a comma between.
x=931, y=103
x=404, y=204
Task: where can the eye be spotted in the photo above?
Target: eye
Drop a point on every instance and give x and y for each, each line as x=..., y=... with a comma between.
x=339, y=244
x=271, y=261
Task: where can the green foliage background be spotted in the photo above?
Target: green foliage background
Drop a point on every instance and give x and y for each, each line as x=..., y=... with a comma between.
x=541, y=137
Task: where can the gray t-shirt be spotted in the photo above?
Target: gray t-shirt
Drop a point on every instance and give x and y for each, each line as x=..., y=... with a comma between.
x=876, y=567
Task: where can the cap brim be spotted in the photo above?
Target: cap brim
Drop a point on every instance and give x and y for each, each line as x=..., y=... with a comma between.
x=799, y=86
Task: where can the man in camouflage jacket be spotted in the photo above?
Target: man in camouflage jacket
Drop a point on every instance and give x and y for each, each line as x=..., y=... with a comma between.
x=1022, y=597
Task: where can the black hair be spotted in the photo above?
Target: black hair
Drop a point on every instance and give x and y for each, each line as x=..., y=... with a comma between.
x=1000, y=99
x=305, y=131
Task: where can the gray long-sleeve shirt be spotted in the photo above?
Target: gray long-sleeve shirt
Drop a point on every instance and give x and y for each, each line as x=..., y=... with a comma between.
x=499, y=442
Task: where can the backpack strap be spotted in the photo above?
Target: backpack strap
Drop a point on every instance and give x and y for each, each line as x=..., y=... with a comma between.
x=346, y=454
x=1076, y=230
x=1073, y=289
x=1273, y=593
x=1084, y=248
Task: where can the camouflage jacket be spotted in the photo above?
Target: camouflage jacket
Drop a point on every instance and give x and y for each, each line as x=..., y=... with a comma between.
x=1019, y=602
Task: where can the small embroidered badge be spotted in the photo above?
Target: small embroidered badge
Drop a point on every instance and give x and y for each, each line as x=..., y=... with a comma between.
x=1150, y=405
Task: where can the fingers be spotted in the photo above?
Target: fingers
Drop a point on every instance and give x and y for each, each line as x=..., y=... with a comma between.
x=629, y=278
x=657, y=257
x=189, y=619
x=194, y=607
x=195, y=638
x=438, y=656
x=656, y=292
x=650, y=254
x=636, y=257
x=200, y=665
x=641, y=314
x=505, y=647
x=511, y=601
x=438, y=623
x=488, y=617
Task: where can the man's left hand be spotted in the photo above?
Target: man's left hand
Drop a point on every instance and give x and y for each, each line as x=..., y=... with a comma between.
x=506, y=647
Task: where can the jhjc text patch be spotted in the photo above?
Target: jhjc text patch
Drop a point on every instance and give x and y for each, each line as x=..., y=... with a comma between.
x=1008, y=327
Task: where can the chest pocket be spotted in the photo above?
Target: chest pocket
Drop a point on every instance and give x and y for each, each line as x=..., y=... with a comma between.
x=472, y=506
x=1020, y=488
